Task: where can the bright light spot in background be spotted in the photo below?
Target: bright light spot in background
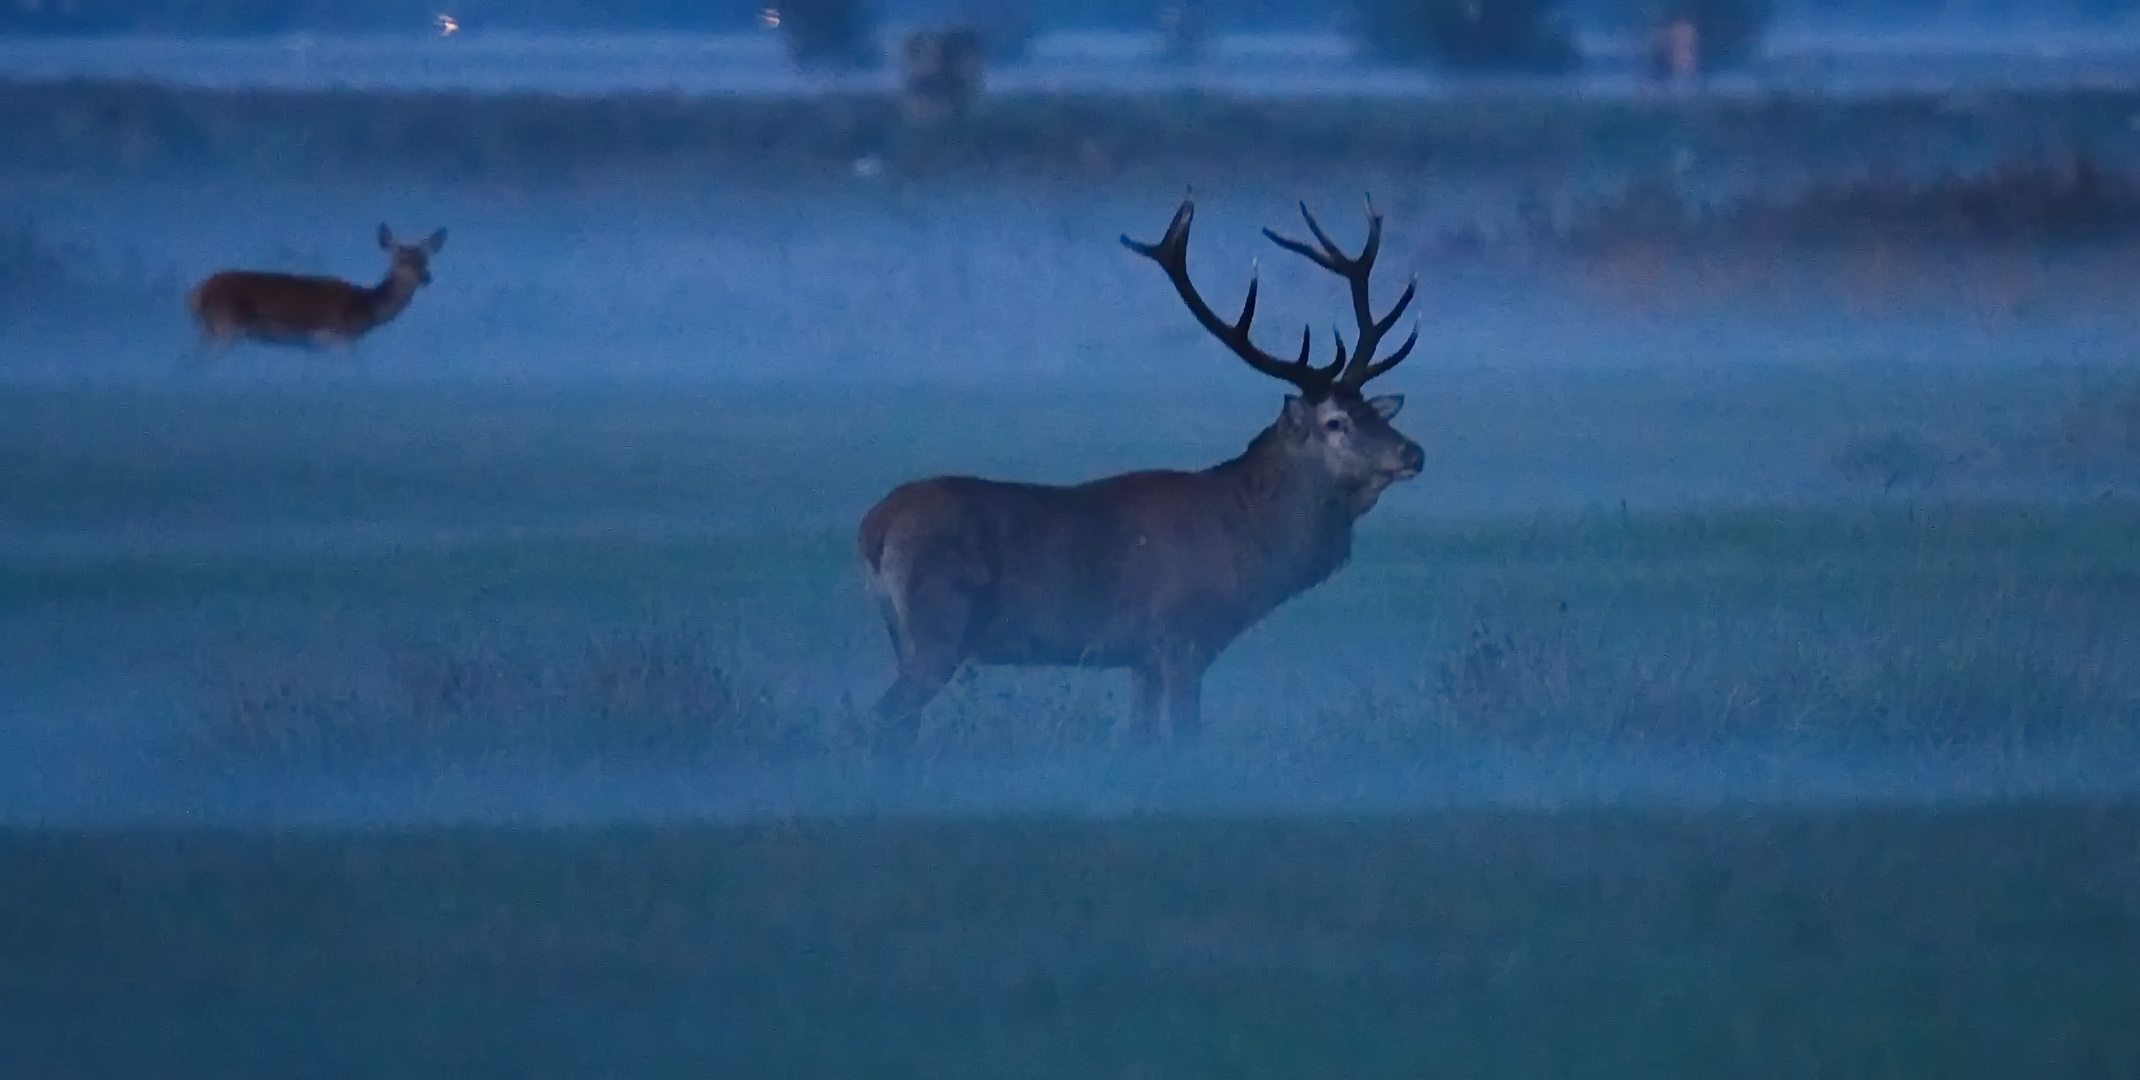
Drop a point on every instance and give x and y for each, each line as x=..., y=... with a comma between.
x=447, y=25
x=769, y=18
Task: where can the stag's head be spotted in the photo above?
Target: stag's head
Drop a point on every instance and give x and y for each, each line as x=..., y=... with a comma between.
x=1329, y=423
x=412, y=262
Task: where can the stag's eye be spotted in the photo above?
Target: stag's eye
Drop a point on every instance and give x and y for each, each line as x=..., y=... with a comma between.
x=1335, y=423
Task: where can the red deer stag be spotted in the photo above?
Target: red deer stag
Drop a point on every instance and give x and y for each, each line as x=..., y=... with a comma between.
x=289, y=309
x=1154, y=571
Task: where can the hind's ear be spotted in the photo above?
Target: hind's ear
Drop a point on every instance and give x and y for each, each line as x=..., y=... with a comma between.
x=1386, y=406
x=436, y=241
x=386, y=237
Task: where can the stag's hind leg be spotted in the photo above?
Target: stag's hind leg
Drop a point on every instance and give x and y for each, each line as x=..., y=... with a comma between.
x=1144, y=713
x=929, y=611
x=1184, y=693
x=1181, y=689
x=920, y=680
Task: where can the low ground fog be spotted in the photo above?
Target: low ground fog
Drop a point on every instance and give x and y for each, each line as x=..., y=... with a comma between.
x=587, y=504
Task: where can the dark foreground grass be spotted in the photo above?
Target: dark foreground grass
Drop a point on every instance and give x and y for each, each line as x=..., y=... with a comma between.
x=1968, y=942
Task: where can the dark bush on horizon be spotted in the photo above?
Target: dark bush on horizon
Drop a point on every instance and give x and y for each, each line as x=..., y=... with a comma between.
x=247, y=17
x=1185, y=32
x=1470, y=35
x=1006, y=28
x=829, y=33
x=1728, y=32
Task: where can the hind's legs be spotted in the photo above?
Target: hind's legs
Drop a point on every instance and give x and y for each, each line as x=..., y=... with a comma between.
x=207, y=347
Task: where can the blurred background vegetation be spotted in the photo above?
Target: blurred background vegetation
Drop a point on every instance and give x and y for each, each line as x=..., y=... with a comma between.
x=277, y=16
x=1533, y=35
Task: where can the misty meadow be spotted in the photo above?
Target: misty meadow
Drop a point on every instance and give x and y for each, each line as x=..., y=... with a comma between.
x=479, y=673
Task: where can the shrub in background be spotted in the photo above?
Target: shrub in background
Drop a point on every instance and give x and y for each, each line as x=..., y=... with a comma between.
x=1185, y=32
x=1728, y=32
x=829, y=33
x=1505, y=35
x=1005, y=27
x=940, y=74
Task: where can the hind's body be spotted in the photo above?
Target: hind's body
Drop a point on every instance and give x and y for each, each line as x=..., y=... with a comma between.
x=295, y=309
x=280, y=308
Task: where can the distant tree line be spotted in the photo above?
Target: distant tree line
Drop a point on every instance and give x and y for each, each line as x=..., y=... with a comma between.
x=289, y=16
x=341, y=16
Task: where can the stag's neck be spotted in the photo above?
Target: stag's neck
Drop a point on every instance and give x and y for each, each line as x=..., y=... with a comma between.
x=392, y=294
x=1296, y=523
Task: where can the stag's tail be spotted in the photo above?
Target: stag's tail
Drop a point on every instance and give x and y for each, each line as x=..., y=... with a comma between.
x=869, y=542
x=883, y=581
x=916, y=548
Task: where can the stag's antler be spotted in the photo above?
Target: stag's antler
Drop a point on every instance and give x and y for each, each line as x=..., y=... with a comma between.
x=1172, y=255
x=1362, y=366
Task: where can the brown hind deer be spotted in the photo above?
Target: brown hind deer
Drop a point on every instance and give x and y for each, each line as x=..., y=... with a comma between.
x=1154, y=571
x=291, y=309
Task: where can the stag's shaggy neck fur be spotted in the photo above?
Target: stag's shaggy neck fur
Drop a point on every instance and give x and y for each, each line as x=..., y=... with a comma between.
x=1290, y=517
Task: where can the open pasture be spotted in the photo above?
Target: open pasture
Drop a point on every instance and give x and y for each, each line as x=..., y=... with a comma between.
x=591, y=499
x=1747, y=687
x=439, y=581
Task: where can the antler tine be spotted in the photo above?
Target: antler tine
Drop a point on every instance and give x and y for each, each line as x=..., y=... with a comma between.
x=1319, y=258
x=1172, y=255
x=1356, y=270
x=1404, y=300
x=1374, y=229
x=1394, y=358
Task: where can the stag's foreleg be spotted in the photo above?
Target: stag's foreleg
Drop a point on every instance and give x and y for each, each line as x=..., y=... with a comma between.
x=1169, y=684
x=1183, y=688
x=1145, y=688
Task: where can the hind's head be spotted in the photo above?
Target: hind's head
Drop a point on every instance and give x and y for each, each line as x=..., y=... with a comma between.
x=412, y=261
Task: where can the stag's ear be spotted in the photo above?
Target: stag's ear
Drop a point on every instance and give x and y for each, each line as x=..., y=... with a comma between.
x=386, y=237
x=1387, y=406
x=436, y=241
x=1298, y=413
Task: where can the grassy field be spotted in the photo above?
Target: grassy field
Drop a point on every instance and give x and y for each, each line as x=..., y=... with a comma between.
x=581, y=522
x=1966, y=942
